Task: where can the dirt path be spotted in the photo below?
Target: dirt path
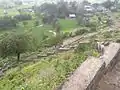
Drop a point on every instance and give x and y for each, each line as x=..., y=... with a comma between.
x=82, y=38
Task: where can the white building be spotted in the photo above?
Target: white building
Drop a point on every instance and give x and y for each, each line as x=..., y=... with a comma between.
x=72, y=16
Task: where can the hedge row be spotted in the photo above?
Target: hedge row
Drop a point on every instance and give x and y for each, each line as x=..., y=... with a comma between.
x=8, y=22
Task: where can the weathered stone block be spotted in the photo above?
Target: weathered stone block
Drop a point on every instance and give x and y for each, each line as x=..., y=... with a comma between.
x=86, y=76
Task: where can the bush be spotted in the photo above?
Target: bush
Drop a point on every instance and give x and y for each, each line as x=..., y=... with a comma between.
x=55, y=21
x=36, y=23
x=7, y=22
x=25, y=23
x=108, y=35
x=92, y=26
x=48, y=19
x=81, y=31
x=80, y=20
x=82, y=47
x=118, y=41
x=66, y=35
x=57, y=27
x=23, y=17
x=73, y=34
x=54, y=40
x=61, y=16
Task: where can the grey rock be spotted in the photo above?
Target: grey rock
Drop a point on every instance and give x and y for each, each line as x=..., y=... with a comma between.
x=41, y=55
x=64, y=49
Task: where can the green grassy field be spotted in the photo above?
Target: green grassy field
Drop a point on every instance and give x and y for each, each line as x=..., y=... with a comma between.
x=44, y=75
x=38, y=31
x=68, y=24
x=11, y=12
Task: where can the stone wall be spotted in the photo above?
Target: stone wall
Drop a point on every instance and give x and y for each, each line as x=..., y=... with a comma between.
x=88, y=75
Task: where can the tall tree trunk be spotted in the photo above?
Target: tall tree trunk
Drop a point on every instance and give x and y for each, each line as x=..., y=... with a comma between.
x=18, y=57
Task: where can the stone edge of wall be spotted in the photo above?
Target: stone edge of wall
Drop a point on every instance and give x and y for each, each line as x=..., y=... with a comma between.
x=88, y=75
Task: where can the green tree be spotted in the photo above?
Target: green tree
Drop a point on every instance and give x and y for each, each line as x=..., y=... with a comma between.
x=62, y=9
x=14, y=44
x=48, y=9
x=73, y=6
x=108, y=4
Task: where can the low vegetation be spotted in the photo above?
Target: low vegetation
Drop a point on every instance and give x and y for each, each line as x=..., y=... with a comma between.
x=29, y=33
x=47, y=74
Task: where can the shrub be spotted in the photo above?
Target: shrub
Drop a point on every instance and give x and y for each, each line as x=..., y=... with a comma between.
x=73, y=34
x=36, y=23
x=61, y=16
x=108, y=35
x=92, y=26
x=54, y=40
x=66, y=35
x=81, y=31
x=23, y=17
x=95, y=53
x=48, y=19
x=79, y=20
x=82, y=47
x=25, y=23
x=118, y=41
x=57, y=27
x=7, y=22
